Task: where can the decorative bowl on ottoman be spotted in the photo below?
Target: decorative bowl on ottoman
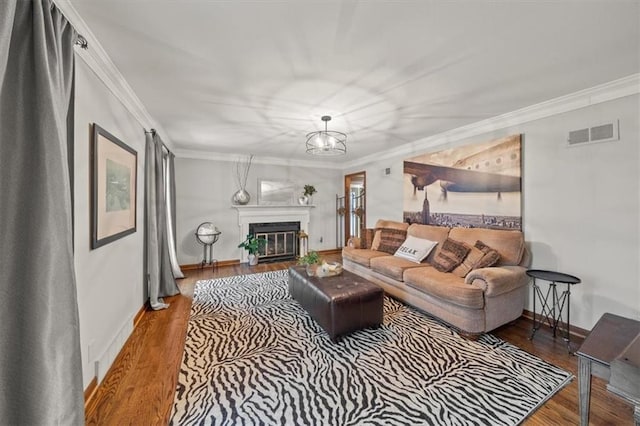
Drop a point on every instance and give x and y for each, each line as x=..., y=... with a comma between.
x=330, y=269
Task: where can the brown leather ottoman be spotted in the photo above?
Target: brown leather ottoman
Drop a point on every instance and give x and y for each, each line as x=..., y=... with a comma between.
x=340, y=304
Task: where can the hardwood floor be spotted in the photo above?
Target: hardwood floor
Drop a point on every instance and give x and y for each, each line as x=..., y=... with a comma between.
x=139, y=388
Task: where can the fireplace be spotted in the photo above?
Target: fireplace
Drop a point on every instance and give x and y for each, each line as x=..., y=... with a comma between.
x=281, y=240
x=256, y=214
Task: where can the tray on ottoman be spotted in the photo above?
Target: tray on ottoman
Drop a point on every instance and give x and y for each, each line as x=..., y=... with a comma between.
x=340, y=304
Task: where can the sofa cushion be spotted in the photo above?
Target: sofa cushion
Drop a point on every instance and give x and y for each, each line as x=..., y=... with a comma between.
x=386, y=224
x=510, y=244
x=490, y=258
x=362, y=256
x=429, y=232
x=444, y=286
x=469, y=263
x=392, y=267
x=415, y=249
x=451, y=254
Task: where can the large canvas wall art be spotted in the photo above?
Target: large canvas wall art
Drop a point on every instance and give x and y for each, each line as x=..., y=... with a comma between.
x=475, y=186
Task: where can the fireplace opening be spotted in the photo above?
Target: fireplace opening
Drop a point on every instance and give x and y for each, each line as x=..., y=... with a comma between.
x=281, y=240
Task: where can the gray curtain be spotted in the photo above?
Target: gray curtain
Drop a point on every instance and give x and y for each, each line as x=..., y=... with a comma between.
x=40, y=361
x=170, y=183
x=160, y=280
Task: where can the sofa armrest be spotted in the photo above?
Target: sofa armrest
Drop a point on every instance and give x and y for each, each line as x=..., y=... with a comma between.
x=497, y=280
x=363, y=242
x=354, y=242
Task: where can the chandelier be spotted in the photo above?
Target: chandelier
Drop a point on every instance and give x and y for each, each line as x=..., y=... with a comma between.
x=326, y=142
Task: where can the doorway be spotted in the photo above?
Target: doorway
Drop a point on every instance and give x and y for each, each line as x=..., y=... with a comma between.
x=355, y=202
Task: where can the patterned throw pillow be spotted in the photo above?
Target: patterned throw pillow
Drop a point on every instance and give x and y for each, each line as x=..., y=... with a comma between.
x=367, y=238
x=391, y=239
x=469, y=263
x=490, y=258
x=415, y=249
x=451, y=255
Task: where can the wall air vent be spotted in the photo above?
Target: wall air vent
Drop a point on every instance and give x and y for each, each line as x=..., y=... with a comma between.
x=578, y=136
x=601, y=133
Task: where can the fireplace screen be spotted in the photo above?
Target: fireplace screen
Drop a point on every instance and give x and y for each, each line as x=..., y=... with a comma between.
x=281, y=240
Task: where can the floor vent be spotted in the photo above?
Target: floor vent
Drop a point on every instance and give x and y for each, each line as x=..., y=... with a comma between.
x=602, y=133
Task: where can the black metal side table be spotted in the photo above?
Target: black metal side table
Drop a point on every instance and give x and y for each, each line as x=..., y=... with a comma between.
x=551, y=310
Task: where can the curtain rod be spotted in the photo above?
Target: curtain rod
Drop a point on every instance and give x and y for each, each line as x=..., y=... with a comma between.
x=82, y=42
x=154, y=132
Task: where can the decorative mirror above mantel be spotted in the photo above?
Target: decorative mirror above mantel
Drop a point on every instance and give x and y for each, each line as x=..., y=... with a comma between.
x=273, y=192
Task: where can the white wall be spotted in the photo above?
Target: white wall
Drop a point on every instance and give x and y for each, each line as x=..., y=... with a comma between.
x=203, y=194
x=581, y=211
x=109, y=279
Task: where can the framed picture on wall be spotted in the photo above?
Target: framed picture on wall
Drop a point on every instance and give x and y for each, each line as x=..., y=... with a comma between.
x=114, y=167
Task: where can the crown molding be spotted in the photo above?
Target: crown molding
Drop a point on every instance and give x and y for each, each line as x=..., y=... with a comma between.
x=274, y=161
x=103, y=67
x=100, y=63
x=626, y=86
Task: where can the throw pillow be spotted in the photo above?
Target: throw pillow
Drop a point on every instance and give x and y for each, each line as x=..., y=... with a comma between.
x=469, y=263
x=490, y=258
x=391, y=240
x=415, y=249
x=375, y=242
x=366, y=241
x=451, y=254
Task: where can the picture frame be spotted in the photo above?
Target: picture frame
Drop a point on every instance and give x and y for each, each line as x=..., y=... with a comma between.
x=272, y=192
x=114, y=167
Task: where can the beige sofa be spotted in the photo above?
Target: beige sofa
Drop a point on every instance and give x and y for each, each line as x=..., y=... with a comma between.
x=480, y=302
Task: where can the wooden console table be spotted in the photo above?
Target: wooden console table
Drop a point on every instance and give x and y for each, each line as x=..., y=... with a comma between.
x=609, y=352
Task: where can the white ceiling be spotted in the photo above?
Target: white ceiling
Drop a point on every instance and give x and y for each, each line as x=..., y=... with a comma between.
x=255, y=76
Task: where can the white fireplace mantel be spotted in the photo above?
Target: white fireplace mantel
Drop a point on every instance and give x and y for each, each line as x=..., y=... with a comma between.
x=263, y=214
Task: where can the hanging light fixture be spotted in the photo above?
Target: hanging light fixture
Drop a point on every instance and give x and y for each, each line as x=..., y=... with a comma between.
x=326, y=142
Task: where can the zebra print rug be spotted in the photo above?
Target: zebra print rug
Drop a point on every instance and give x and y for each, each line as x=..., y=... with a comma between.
x=254, y=356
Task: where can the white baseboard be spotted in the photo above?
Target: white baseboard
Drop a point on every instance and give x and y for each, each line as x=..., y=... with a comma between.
x=105, y=361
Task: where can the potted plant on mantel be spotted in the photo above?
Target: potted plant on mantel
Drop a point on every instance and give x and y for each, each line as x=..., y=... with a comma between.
x=252, y=245
x=309, y=190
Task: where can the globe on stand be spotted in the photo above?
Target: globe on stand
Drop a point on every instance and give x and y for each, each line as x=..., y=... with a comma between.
x=207, y=234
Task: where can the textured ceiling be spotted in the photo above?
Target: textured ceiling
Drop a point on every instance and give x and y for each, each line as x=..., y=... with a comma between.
x=256, y=76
